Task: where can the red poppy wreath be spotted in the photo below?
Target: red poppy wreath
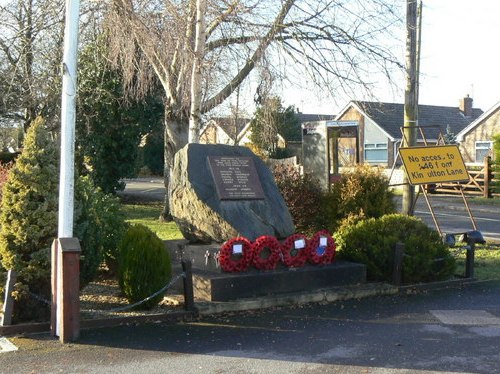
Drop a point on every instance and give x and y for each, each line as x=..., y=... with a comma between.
x=294, y=251
x=235, y=255
x=321, y=248
x=266, y=252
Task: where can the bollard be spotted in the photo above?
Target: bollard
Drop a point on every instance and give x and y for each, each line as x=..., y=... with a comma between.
x=469, y=260
x=397, y=270
x=188, y=286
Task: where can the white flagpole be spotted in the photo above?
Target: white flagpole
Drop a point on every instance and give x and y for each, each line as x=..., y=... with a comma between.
x=66, y=173
x=68, y=116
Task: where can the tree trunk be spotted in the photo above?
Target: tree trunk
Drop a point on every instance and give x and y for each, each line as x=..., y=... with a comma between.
x=197, y=74
x=176, y=137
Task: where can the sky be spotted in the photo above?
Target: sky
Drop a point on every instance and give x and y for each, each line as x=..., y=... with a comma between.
x=459, y=57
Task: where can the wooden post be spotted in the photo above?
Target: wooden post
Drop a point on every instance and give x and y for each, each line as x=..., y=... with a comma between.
x=188, y=286
x=65, y=313
x=8, y=303
x=487, y=177
x=397, y=270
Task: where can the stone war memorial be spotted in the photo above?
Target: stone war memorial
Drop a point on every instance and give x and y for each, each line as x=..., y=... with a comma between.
x=219, y=192
x=239, y=234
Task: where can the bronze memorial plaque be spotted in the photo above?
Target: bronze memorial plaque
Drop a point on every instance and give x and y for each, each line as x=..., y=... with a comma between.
x=235, y=178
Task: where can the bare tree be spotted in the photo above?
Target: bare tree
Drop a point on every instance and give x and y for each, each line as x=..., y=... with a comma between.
x=30, y=33
x=339, y=44
x=31, y=39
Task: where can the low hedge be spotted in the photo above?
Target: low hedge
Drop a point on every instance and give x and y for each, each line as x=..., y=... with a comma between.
x=372, y=243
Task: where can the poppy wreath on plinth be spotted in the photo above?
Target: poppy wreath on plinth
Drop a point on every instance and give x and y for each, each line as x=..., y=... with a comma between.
x=294, y=251
x=235, y=255
x=321, y=248
x=261, y=244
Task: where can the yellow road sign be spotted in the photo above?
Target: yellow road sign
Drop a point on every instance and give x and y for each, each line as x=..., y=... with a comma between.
x=434, y=164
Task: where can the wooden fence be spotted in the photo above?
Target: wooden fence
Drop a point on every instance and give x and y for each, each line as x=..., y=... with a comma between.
x=481, y=182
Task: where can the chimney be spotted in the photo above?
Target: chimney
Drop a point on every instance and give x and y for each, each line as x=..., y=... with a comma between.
x=465, y=106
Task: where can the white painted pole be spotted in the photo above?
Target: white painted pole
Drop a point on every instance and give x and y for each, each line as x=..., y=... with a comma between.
x=67, y=167
x=68, y=116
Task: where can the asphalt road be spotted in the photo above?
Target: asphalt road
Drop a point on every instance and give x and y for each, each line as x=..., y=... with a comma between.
x=450, y=330
x=145, y=188
x=452, y=216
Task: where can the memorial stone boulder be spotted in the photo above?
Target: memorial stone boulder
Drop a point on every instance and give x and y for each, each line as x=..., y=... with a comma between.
x=218, y=192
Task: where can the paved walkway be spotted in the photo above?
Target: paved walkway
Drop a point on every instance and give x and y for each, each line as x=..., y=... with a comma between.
x=450, y=330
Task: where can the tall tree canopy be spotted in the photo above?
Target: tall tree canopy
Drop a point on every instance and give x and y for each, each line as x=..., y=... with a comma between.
x=109, y=128
x=340, y=44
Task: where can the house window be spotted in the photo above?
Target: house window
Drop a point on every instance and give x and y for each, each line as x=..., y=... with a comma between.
x=376, y=152
x=483, y=149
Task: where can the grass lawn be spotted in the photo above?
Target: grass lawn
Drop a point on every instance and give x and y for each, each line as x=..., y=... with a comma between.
x=147, y=214
x=486, y=261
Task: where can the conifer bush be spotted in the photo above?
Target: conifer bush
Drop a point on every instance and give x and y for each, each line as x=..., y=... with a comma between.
x=144, y=266
x=372, y=242
x=363, y=192
x=99, y=225
x=28, y=221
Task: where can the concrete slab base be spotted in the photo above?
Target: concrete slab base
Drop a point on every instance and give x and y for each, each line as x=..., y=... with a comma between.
x=217, y=286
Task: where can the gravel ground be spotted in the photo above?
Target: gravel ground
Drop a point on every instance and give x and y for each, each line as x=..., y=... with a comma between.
x=100, y=298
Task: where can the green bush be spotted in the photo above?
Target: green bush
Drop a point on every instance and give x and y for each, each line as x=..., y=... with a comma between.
x=99, y=225
x=28, y=221
x=144, y=266
x=372, y=242
x=303, y=197
x=363, y=192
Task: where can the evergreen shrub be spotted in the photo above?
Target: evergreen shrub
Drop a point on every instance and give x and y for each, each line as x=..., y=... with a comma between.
x=144, y=266
x=99, y=225
x=363, y=192
x=372, y=242
x=28, y=221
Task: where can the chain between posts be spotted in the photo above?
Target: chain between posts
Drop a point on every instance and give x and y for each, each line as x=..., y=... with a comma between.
x=163, y=289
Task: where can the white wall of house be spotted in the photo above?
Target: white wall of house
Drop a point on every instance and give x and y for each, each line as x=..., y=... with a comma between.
x=375, y=143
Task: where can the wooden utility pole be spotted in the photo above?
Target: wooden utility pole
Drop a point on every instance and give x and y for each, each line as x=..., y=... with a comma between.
x=411, y=98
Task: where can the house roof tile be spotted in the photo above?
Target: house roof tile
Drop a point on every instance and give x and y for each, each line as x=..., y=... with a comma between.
x=389, y=116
